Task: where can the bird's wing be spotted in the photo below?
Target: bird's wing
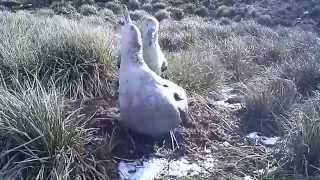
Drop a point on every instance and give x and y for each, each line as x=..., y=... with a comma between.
x=176, y=94
x=166, y=88
x=152, y=110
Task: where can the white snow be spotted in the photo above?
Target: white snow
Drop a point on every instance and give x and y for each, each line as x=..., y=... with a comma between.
x=226, y=94
x=267, y=141
x=247, y=178
x=149, y=169
x=225, y=104
x=183, y=167
x=153, y=167
x=266, y=171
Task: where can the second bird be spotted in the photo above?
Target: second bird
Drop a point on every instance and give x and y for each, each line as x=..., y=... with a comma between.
x=152, y=53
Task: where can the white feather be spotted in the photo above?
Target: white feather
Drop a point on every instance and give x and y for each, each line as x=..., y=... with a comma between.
x=148, y=103
x=152, y=52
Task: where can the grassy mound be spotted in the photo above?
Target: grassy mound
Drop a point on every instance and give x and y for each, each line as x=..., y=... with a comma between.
x=71, y=54
x=44, y=61
x=39, y=140
x=265, y=100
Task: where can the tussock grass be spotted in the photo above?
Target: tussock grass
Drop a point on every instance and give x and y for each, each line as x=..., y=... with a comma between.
x=87, y=9
x=176, y=36
x=301, y=63
x=39, y=140
x=304, y=70
x=247, y=49
x=265, y=100
x=72, y=54
x=303, y=135
x=196, y=70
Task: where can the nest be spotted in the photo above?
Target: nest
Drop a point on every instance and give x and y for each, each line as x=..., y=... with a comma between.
x=203, y=134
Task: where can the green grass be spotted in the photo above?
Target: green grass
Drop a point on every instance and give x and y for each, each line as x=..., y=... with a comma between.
x=44, y=61
x=196, y=70
x=72, y=54
x=39, y=140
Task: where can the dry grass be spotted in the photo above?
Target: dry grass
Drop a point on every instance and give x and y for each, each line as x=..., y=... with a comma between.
x=276, y=67
x=302, y=138
x=265, y=100
x=204, y=135
x=175, y=36
x=196, y=70
x=207, y=124
x=304, y=71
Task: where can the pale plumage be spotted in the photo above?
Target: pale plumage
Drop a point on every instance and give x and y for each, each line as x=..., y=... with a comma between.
x=152, y=53
x=149, y=104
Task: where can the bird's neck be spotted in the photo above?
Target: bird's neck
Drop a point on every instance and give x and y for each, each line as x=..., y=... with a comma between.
x=131, y=58
x=151, y=43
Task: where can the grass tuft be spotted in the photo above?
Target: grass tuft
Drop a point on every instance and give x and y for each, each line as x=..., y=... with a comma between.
x=39, y=140
x=71, y=54
x=265, y=100
x=302, y=139
x=196, y=72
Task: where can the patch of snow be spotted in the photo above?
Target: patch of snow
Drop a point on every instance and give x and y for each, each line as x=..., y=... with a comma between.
x=247, y=178
x=207, y=151
x=225, y=104
x=153, y=167
x=256, y=139
x=269, y=141
x=265, y=171
x=226, y=144
x=183, y=167
x=149, y=169
x=253, y=135
x=227, y=93
x=209, y=162
x=318, y=40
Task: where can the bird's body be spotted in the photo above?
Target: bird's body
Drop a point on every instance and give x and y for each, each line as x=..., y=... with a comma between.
x=152, y=53
x=149, y=105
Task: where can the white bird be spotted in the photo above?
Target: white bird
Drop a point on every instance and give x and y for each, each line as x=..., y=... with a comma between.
x=149, y=105
x=152, y=53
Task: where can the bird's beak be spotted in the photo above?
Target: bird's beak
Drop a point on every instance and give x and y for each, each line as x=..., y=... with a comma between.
x=152, y=33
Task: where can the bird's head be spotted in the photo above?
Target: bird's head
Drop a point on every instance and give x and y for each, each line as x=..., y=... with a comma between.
x=130, y=34
x=130, y=37
x=149, y=30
